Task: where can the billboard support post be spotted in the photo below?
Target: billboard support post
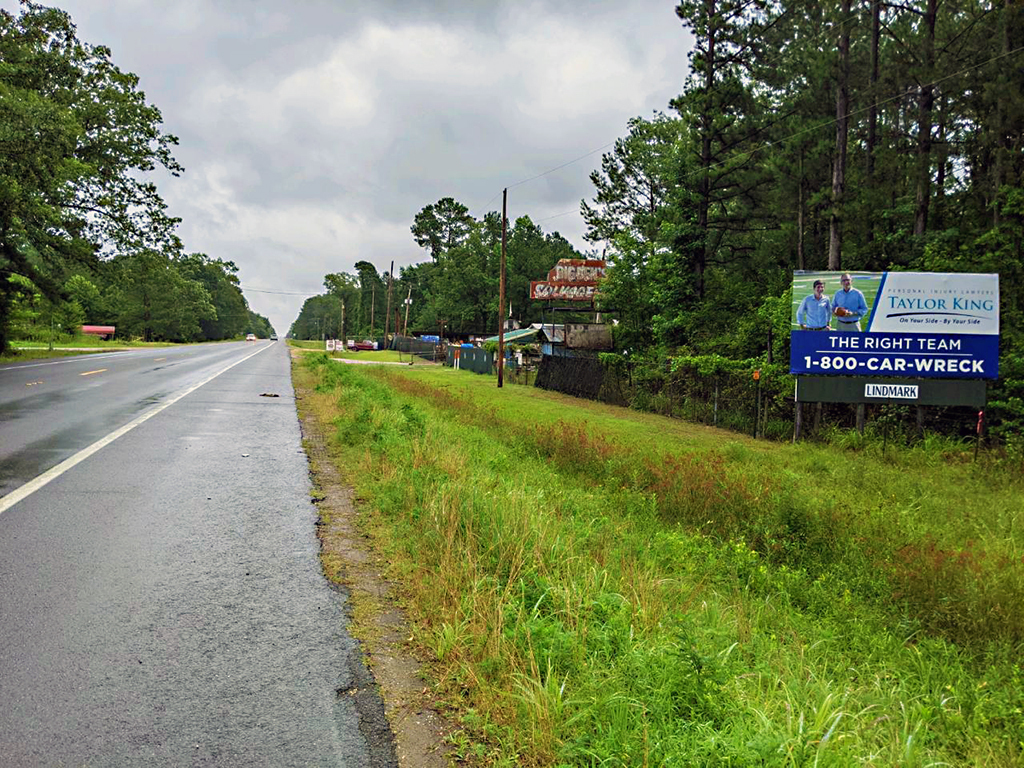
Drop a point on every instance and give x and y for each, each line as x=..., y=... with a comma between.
x=715, y=422
x=885, y=431
x=501, y=291
x=757, y=406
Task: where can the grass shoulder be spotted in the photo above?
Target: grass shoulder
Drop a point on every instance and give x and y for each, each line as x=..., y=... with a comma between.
x=36, y=350
x=598, y=585
x=364, y=356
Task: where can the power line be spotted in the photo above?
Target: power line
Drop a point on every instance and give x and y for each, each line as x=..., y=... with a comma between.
x=552, y=170
x=485, y=205
x=825, y=124
x=855, y=112
x=830, y=30
x=556, y=216
x=563, y=165
x=279, y=293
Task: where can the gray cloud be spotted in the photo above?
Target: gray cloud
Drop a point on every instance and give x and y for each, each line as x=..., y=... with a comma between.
x=311, y=134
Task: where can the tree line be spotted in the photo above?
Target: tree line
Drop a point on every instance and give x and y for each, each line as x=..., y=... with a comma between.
x=830, y=135
x=84, y=236
x=816, y=135
x=453, y=292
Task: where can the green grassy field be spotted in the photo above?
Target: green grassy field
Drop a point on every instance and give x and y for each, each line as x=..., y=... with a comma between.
x=306, y=344
x=803, y=286
x=382, y=356
x=376, y=355
x=603, y=587
x=32, y=350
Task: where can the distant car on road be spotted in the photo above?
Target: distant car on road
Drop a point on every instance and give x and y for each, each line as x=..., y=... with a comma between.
x=273, y=337
x=250, y=337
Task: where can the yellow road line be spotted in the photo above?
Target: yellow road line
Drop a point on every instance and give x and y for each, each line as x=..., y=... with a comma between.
x=90, y=373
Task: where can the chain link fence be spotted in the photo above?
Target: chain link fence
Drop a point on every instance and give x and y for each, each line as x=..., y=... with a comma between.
x=730, y=397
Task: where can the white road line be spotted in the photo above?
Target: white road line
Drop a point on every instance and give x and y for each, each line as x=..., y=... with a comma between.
x=69, y=359
x=12, y=498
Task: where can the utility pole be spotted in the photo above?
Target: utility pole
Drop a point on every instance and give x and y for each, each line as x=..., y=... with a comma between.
x=344, y=341
x=373, y=301
x=408, y=303
x=387, y=313
x=501, y=291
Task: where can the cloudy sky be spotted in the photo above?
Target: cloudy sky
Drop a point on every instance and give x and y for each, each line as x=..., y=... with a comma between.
x=312, y=132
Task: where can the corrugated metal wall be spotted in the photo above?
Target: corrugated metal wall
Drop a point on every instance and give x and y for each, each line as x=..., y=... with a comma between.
x=470, y=359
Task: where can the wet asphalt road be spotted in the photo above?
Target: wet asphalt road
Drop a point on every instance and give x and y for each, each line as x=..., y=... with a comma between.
x=161, y=603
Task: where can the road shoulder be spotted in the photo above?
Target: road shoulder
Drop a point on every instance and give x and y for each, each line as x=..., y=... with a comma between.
x=377, y=621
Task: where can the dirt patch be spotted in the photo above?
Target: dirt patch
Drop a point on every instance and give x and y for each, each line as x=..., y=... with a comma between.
x=378, y=622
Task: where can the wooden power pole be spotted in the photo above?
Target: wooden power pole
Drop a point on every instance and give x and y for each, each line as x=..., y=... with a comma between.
x=408, y=303
x=387, y=314
x=501, y=290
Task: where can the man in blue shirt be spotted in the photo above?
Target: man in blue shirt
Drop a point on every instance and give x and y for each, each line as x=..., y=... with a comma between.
x=848, y=305
x=815, y=311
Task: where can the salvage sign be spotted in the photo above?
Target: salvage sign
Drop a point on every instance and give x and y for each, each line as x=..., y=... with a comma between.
x=570, y=280
x=913, y=324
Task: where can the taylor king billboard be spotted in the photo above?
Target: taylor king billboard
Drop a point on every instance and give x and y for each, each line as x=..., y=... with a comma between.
x=913, y=324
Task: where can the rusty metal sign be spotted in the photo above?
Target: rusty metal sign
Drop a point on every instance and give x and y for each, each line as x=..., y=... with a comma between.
x=570, y=280
x=588, y=336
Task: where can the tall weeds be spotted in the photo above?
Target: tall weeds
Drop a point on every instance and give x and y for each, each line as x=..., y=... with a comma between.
x=590, y=600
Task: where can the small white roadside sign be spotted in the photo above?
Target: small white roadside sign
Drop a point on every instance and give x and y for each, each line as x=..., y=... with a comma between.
x=891, y=391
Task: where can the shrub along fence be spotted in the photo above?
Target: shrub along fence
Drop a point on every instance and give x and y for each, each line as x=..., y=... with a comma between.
x=713, y=390
x=407, y=344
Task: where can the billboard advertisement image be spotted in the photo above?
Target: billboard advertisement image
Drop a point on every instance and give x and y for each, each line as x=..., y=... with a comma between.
x=912, y=324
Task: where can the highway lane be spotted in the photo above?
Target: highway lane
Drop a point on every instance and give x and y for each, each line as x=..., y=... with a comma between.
x=161, y=603
x=49, y=409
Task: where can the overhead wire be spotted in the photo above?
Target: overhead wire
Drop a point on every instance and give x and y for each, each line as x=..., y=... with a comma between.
x=825, y=124
x=563, y=165
x=279, y=293
x=853, y=113
x=830, y=30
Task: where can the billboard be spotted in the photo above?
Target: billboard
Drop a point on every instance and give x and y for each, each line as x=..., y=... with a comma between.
x=570, y=280
x=912, y=324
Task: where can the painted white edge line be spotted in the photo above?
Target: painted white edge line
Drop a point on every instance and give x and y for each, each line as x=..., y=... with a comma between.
x=26, y=490
x=69, y=359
